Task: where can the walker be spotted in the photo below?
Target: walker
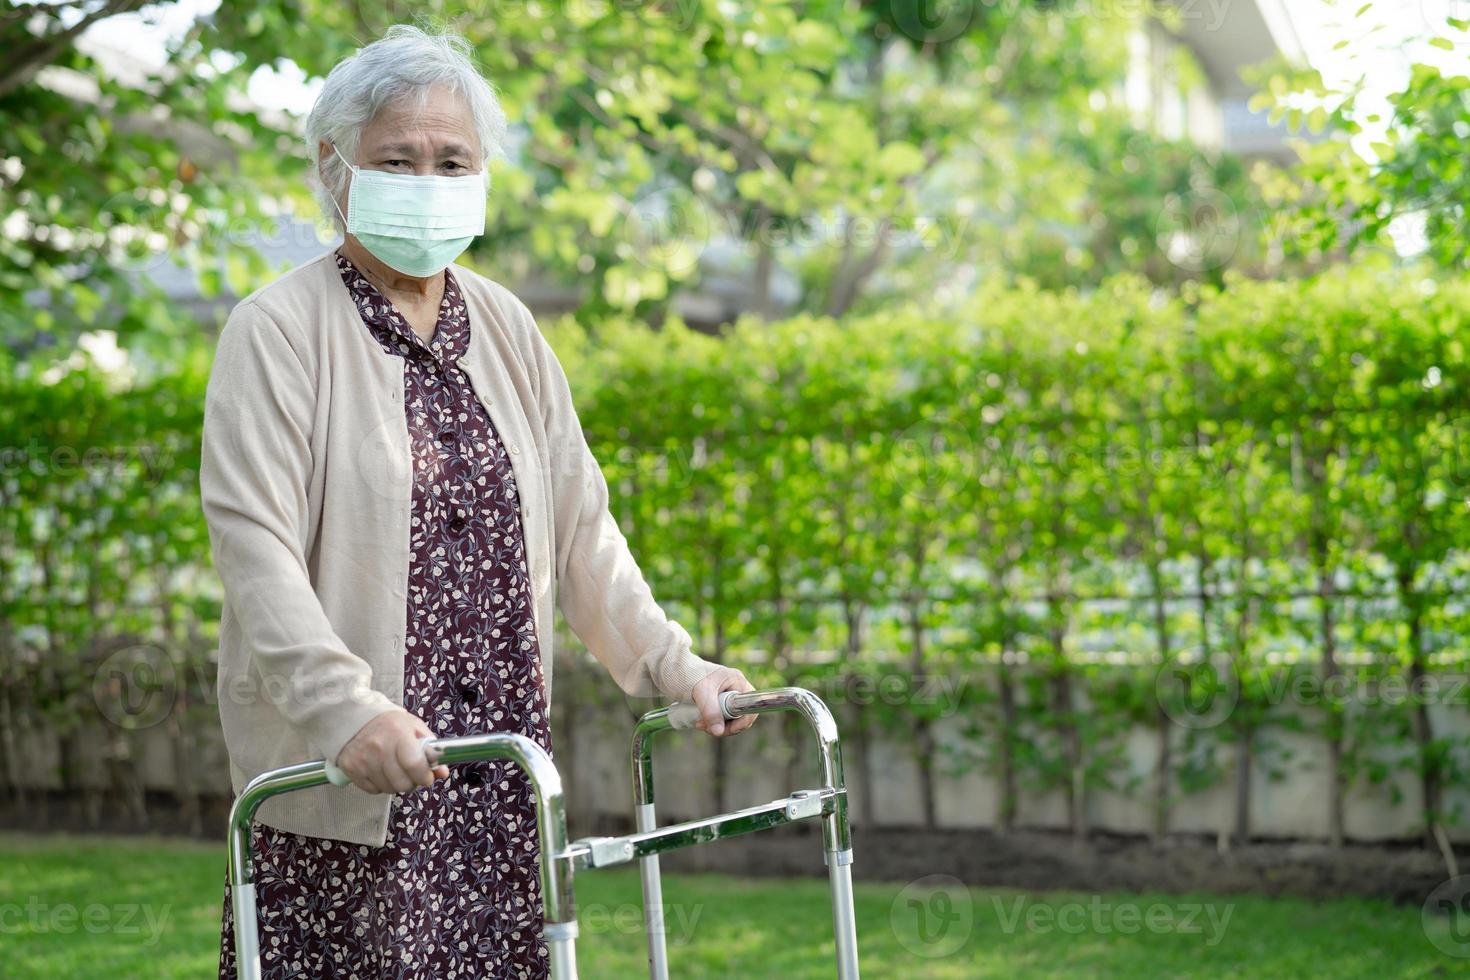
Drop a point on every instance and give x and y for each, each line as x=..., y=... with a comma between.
x=560, y=860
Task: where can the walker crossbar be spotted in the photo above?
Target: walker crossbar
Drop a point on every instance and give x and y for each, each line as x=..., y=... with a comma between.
x=603, y=852
x=560, y=859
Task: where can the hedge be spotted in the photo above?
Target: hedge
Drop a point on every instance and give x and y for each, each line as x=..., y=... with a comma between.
x=1111, y=509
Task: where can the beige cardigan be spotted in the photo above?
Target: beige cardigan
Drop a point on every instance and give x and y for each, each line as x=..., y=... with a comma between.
x=306, y=489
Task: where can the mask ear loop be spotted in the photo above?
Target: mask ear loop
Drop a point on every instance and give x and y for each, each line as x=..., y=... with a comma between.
x=335, y=205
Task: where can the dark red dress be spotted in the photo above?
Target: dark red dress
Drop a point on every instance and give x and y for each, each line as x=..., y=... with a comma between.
x=454, y=891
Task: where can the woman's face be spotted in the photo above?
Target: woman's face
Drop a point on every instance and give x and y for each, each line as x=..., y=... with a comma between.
x=438, y=141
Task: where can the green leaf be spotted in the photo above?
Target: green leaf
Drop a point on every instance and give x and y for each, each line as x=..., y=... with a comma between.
x=899, y=160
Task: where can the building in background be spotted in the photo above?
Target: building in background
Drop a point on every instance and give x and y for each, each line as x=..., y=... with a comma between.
x=1185, y=78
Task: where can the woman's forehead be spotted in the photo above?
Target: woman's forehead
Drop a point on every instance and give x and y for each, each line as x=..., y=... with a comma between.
x=442, y=124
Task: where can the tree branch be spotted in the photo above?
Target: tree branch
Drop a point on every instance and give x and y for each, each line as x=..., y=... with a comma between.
x=22, y=66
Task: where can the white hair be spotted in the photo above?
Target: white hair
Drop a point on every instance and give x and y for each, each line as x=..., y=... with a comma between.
x=404, y=64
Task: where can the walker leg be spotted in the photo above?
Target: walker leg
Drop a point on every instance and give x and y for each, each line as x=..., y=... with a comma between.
x=653, y=900
x=837, y=844
x=563, y=953
x=247, y=940
x=844, y=926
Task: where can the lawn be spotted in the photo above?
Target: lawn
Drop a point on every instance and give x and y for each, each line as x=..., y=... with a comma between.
x=129, y=907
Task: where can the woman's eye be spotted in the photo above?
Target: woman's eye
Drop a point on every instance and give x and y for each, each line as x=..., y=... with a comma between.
x=451, y=165
x=396, y=163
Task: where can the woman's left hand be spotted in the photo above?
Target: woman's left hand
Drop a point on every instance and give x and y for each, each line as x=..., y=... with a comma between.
x=707, y=698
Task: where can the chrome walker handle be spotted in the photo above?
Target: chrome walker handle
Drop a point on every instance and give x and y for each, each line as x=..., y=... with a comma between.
x=836, y=829
x=337, y=777
x=686, y=714
x=560, y=919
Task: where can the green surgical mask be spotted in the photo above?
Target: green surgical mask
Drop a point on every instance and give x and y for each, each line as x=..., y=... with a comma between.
x=415, y=225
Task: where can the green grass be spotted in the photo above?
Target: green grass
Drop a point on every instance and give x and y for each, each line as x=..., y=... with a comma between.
x=65, y=912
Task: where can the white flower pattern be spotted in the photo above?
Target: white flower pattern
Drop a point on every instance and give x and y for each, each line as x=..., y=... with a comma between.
x=454, y=891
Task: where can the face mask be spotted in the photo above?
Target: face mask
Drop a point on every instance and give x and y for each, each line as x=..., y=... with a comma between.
x=415, y=225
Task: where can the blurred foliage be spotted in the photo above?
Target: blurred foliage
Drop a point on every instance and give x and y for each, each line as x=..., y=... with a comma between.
x=1368, y=181
x=808, y=133
x=101, y=175
x=831, y=156
x=1097, y=486
x=1069, y=478
x=965, y=433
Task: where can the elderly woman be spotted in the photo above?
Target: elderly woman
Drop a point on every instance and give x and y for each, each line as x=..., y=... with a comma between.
x=398, y=492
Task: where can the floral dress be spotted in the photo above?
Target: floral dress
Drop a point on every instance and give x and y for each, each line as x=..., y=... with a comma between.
x=454, y=891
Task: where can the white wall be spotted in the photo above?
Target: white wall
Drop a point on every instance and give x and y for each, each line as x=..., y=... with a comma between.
x=1289, y=780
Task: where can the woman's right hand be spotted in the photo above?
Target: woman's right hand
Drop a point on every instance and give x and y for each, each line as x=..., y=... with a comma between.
x=385, y=756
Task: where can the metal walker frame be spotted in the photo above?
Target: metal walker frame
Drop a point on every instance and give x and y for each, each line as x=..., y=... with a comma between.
x=561, y=859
